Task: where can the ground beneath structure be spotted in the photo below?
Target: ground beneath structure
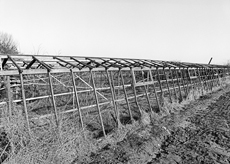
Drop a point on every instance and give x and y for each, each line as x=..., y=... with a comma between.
x=196, y=132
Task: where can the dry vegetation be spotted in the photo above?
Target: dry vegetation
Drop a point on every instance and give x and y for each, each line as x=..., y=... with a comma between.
x=143, y=140
x=138, y=142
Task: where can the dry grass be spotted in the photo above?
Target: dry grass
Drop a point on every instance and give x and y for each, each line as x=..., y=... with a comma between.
x=45, y=145
x=69, y=144
x=176, y=106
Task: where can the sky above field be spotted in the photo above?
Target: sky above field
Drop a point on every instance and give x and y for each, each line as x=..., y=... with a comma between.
x=179, y=30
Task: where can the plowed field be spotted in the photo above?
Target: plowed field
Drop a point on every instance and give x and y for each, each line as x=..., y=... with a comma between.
x=205, y=139
x=197, y=133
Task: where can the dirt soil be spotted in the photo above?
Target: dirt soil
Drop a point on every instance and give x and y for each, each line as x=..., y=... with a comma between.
x=199, y=132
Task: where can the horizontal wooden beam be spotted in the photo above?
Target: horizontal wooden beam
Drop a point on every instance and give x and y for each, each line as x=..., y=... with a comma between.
x=65, y=70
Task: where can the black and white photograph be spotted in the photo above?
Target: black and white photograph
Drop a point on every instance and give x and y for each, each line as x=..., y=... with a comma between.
x=114, y=81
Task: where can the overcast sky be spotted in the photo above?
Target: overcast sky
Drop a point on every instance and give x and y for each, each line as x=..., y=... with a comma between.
x=181, y=30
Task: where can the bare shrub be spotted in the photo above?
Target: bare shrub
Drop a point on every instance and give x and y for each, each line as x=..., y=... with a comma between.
x=7, y=44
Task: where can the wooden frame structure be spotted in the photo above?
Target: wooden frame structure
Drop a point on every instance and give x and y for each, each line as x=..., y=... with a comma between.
x=85, y=85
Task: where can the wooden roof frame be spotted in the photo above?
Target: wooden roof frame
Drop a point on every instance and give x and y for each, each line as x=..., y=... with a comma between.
x=53, y=63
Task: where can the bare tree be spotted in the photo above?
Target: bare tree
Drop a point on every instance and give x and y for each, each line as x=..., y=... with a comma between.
x=7, y=44
x=228, y=63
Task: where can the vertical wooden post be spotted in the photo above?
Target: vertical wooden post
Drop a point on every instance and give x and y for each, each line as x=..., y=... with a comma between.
x=197, y=81
x=225, y=73
x=186, y=80
x=53, y=100
x=134, y=89
x=210, y=78
x=222, y=78
x=113, y=86
x=154, y=88
x=97, y=102
x=189, y=78
x=182, y=78
x=178, y=83
x=148, y=79
x=201, y=83
x=213, y=77
x=218, y=76
x=118, y=83
x=113, y=96
x=172, y=78
x=166, y=78
x=146, y=92
x=222, y=74
x=1, y=64
x=191, y=83
x=24, y=101
x=9, y=96
x=126, y=96
x=206, y=77
x=77, y=104
x=159, y=81
x=114, y=93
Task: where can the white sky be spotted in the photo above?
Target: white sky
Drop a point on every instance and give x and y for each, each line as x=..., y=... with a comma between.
x=182, y=30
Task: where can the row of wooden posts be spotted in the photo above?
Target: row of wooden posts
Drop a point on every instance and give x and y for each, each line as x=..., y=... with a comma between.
x=205, y=79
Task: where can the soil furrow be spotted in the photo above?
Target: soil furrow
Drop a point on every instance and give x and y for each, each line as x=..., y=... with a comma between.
x=206, y=141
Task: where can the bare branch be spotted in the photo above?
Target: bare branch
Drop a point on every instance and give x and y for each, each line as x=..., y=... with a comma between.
x=7, y=44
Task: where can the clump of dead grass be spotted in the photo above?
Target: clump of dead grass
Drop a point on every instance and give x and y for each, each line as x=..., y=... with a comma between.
x=45, y=145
